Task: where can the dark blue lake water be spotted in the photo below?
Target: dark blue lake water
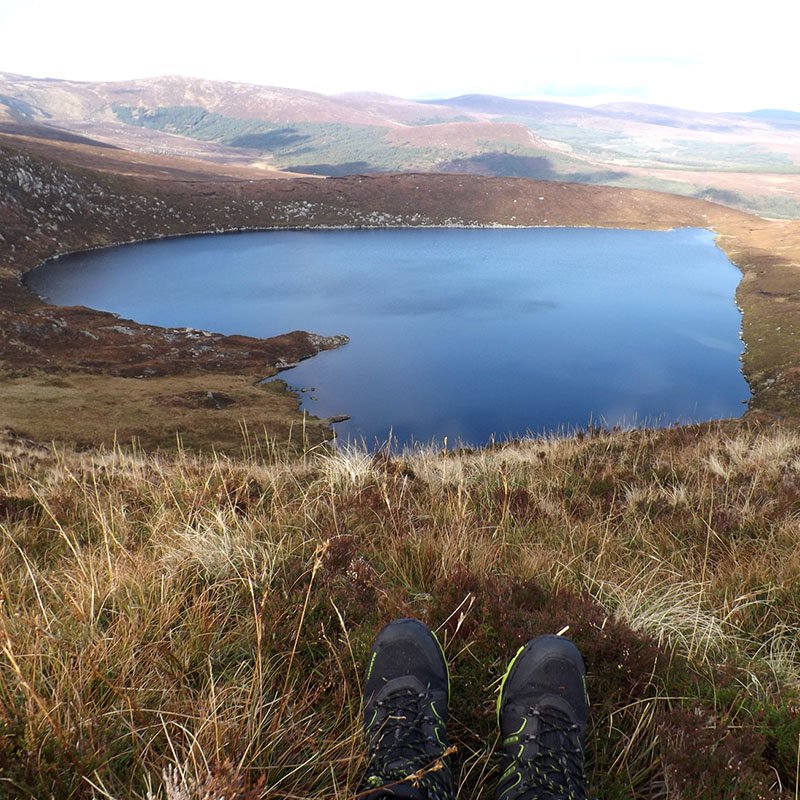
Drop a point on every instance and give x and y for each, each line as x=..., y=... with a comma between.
x=464, y=333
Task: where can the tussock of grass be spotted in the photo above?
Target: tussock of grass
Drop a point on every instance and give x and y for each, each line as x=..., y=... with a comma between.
x=347, y=468
x=178, y=626
x=673, y=612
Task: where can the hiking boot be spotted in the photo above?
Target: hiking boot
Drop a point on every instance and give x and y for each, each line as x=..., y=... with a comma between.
x=542, y=711
x=406, y=698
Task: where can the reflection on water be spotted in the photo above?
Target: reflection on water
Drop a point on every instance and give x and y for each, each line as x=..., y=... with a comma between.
x=458, y=333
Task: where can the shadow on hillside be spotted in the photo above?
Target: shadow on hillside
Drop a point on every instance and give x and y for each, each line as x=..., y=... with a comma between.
x=271, y=140
x=48, y=133
x=505, y=164
x=334, y=170
x=499, y=165
x=508, y=165
x=606, y=176
x=724, y=196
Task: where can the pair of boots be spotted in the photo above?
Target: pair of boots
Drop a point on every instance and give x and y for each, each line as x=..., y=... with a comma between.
x=542, y=711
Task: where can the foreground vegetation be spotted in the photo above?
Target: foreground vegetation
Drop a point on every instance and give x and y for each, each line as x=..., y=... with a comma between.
x=183, y=626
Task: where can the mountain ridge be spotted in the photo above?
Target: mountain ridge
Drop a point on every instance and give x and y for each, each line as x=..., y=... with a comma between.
x=750, y=161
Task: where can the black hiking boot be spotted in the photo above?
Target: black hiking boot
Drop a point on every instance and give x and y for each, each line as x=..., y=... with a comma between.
x=406, y=698
x=542, y=711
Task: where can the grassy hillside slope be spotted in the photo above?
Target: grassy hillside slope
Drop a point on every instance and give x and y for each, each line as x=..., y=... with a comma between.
x=197, y=627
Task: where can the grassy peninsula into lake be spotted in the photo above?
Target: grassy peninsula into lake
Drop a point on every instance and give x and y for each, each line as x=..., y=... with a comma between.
x=192, y=621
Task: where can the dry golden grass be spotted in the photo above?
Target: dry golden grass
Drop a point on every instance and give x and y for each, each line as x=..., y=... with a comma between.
x=187, y=627
x=78, y=408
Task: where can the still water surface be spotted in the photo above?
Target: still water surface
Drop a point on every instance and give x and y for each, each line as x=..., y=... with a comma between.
x=461, y=333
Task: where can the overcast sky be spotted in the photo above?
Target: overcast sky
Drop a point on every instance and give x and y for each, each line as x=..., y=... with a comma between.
x=704, y=54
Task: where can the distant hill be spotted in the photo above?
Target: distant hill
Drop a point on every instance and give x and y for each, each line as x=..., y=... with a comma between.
x=492, y=104
x=776, y=118
x=746, y=160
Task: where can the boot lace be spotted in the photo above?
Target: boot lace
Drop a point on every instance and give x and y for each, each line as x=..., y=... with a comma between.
x=556, y=770
x=405, y=738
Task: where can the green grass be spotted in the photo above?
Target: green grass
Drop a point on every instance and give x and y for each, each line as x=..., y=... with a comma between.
x=332, y=148
x=184, y=626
